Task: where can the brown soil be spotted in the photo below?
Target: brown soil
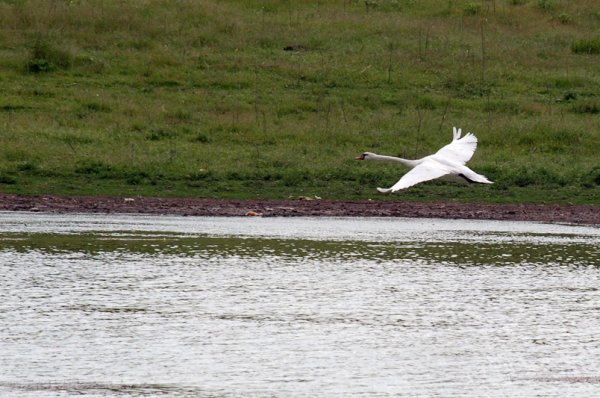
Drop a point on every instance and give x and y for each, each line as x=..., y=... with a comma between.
x=577, y=214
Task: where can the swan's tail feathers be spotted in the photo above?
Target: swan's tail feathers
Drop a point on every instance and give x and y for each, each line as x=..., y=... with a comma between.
x=474, y=177
x=384, y=190
x=483, y=180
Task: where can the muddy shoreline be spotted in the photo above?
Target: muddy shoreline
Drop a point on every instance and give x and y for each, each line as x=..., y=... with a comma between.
x=575, y=214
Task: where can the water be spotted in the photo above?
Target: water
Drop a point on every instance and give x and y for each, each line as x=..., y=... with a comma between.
x=131, y=306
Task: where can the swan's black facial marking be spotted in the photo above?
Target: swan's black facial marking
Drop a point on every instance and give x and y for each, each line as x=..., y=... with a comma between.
x=361, y=157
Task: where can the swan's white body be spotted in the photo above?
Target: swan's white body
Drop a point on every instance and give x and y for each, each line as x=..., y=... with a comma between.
x=449, y=160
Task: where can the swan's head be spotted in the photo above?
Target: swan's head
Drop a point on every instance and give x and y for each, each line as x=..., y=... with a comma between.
x=365, y=156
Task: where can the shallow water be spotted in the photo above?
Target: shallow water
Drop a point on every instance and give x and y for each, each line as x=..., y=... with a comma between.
x=131, y=306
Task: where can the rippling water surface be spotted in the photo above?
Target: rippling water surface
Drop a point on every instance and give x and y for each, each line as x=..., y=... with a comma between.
x=131, y=306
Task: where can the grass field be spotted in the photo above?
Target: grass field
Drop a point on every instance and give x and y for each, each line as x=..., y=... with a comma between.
x=274, y=99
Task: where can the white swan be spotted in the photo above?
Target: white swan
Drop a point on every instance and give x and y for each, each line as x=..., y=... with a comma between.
x=450, y=160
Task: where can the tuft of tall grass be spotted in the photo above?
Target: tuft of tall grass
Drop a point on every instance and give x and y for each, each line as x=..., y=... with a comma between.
x=47, y=56
x=586, y=46
x=587, y=107
x=592, y=178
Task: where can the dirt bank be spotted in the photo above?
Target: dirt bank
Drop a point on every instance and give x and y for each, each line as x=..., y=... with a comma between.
x=578, y=214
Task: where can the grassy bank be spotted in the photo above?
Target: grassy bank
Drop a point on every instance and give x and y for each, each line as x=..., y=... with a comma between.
x=276, y=98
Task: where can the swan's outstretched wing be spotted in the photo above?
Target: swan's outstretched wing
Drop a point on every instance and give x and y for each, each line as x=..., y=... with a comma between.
x=423, y=172
x=460, y=150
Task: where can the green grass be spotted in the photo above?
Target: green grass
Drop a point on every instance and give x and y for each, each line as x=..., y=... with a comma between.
x=202, y=99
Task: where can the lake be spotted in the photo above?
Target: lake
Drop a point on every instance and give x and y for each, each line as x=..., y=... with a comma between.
x=137, y=306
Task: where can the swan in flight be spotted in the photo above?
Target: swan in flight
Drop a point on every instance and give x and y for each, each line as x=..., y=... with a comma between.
x=450, y=160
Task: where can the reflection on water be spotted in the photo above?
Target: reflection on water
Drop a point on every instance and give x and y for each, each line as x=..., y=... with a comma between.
x=168, y=306
x=210, y=248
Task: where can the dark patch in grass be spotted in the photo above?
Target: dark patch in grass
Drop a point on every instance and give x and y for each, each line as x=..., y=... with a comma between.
x=140, y=44
x=96, y=107
x=545, y=139
x=16, y=155
x=201, y=138
x=91, y=108
x=14, y=108
x=94, y=167
x=74, y=139
x=295, y=177
x=33, y=169
x=28, y=167
x=295, y=47
x=200, y=175
x=181, y=116
x=36, y=92
x=6, y=179
x=586, y=46
x=226, y=85
x=89, y=64
x=502, y=106
x=569, y=82
x=472, y=8
x=524, y=177
x=586, y=107
x=545, y=5
x=163, y=83
x=466, y=87
x=160, y=134
x=424, y=102
x=592, y=178
x=564, y=18
x=137, y=177
x=130, y=176
x=46, y=56
x=393, y=99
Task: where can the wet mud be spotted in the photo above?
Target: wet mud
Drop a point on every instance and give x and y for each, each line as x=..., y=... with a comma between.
x=576, y=214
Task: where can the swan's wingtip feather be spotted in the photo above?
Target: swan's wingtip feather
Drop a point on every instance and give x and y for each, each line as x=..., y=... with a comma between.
x=456, y=132
x=470, y=137
x=384, y=190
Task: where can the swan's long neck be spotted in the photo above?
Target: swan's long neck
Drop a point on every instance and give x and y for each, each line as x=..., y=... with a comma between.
x=393, y=159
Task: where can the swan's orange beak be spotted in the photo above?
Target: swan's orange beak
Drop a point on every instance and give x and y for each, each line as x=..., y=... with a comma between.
x=361, y=157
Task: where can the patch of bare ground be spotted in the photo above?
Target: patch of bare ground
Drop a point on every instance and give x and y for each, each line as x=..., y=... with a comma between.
x=575, y=214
